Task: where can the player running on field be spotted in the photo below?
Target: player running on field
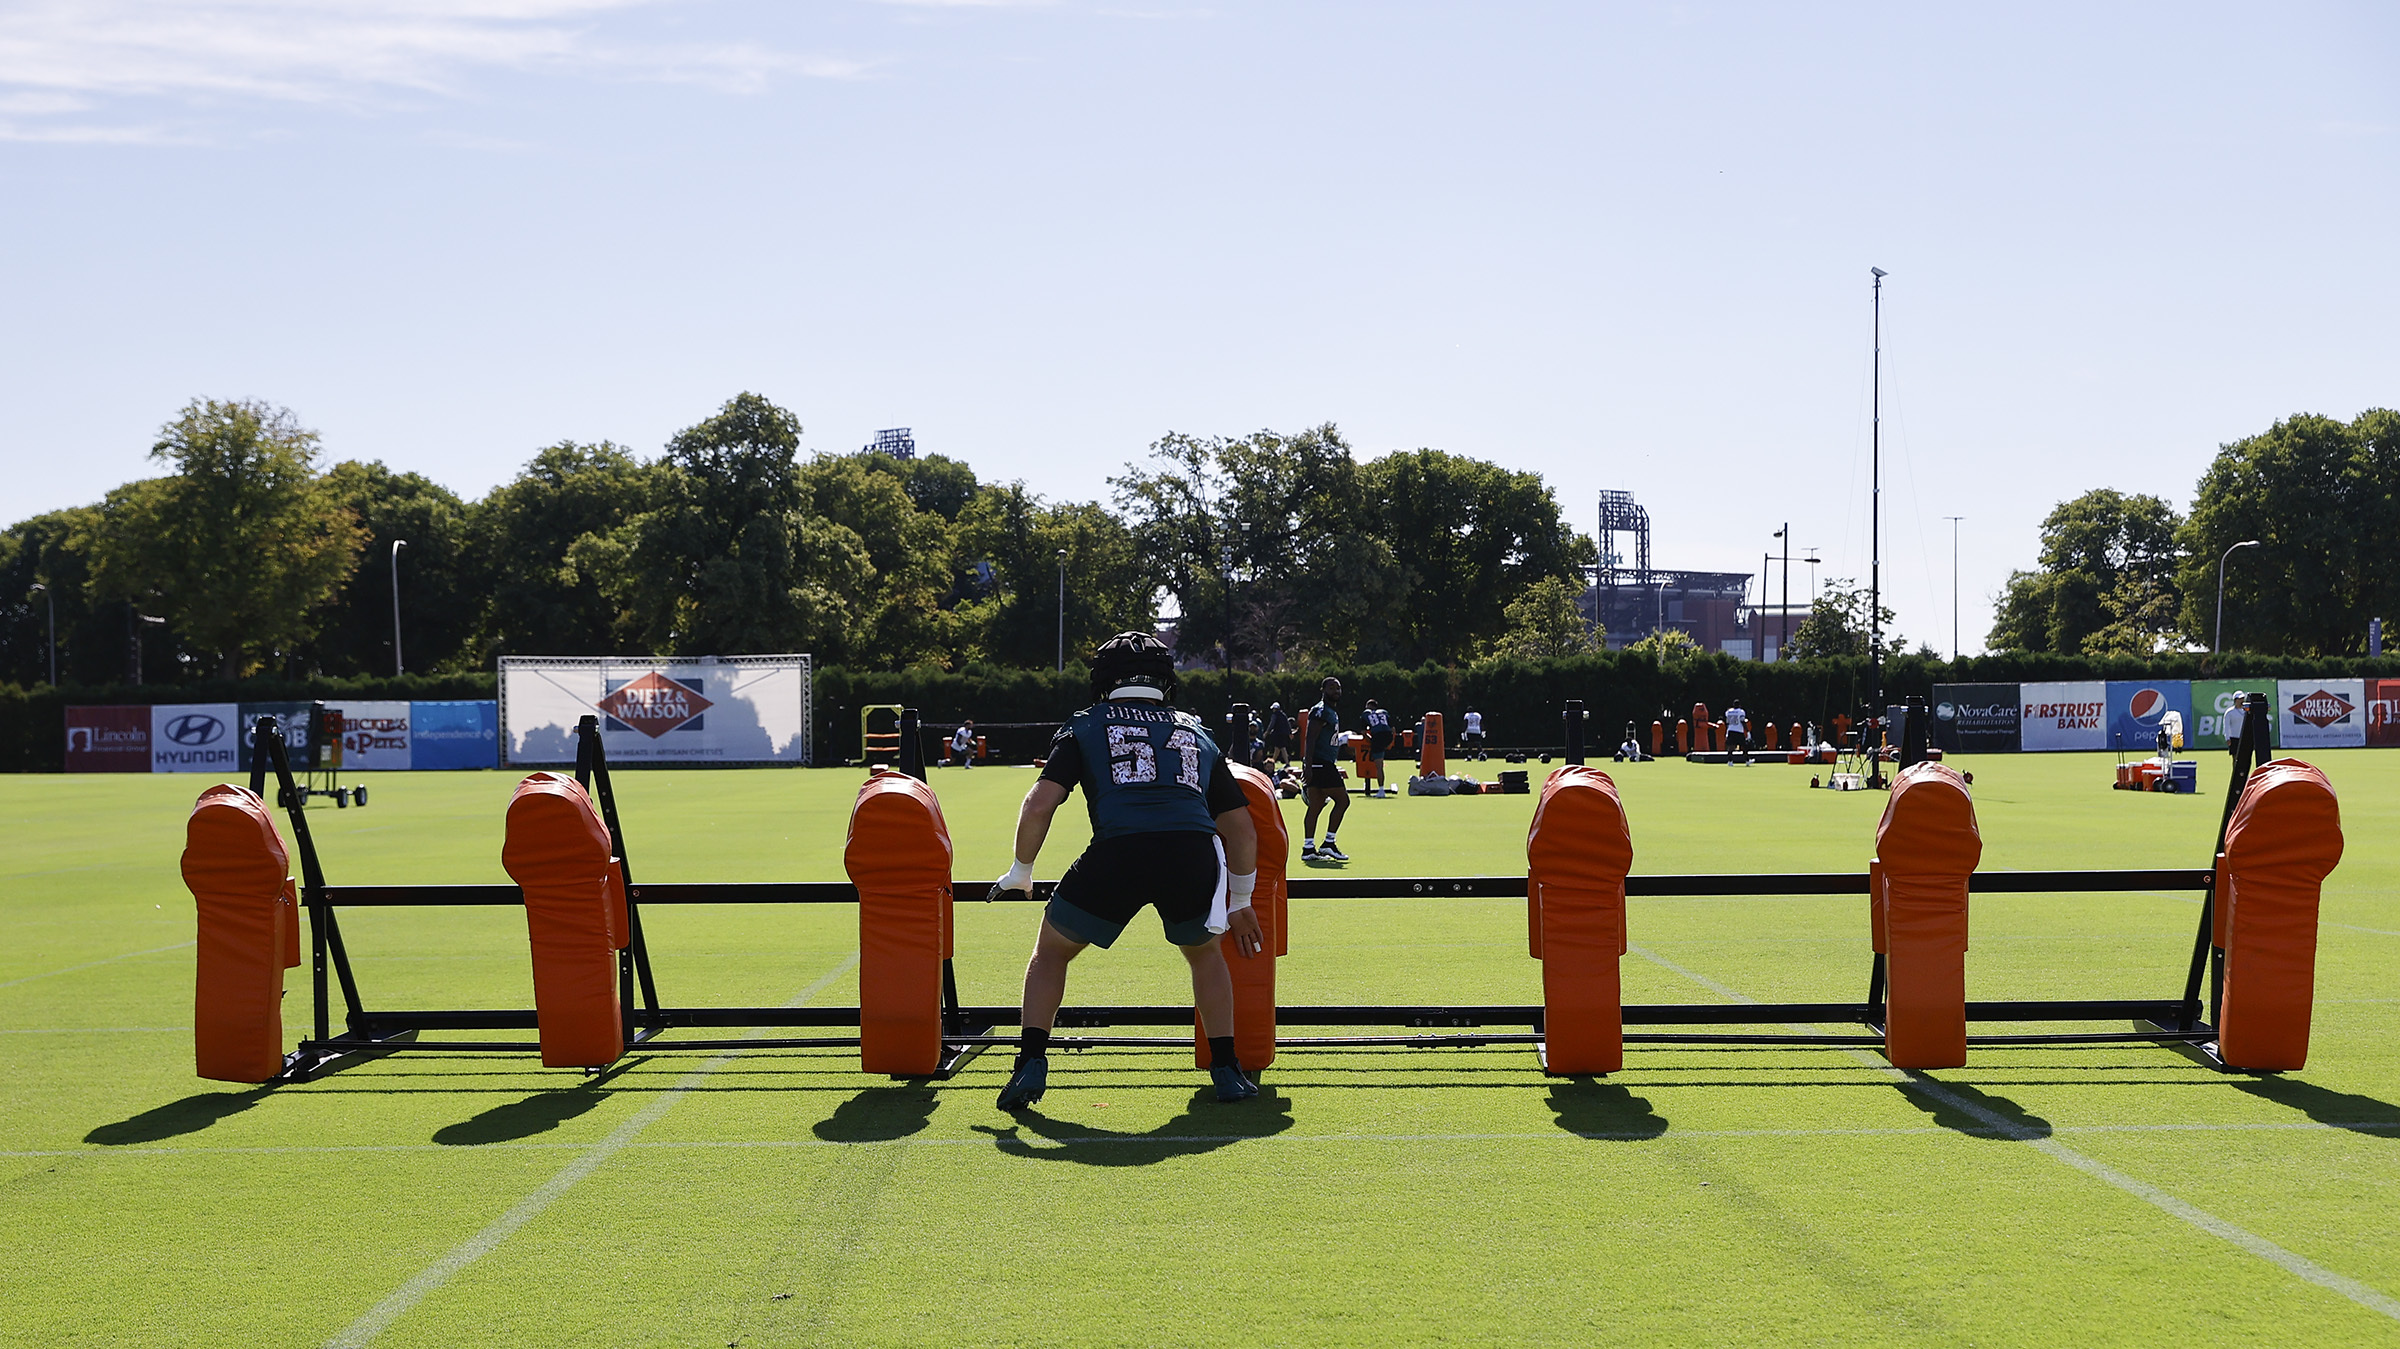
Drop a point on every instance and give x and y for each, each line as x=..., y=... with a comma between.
x=1737, y=733
x=1324, y=773
x=1170, y=829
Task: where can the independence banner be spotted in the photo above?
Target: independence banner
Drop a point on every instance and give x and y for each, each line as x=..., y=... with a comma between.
x=2064, y=716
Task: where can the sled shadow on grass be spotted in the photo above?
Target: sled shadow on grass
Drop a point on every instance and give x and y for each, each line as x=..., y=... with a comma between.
x=1970, y=1110
x=879, y=1115
x=1603, y=1111
x=2340, y=1109
x=176, y=1118
x=512, y=1120
x=1205, y=1125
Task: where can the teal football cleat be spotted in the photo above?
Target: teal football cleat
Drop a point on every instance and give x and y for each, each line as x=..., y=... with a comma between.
x=1026, y=1084
x=1231, y=1084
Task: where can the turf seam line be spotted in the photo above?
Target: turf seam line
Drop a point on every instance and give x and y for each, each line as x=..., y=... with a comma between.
x=2291, y=1262
x=91, y=964
x=380, y=1317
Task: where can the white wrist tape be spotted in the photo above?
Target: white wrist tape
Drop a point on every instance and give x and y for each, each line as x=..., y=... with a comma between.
x=1019, y=877
x=1238, y=885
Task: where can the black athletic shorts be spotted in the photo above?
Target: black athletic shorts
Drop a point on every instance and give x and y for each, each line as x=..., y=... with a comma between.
x=1175, y=873
x=1325, y=777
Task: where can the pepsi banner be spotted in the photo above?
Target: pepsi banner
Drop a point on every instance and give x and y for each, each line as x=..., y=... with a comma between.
x=1975, y=718
x=2137, y=707
x=2063, y=716
x=708, y=710
x=2321, y=713
x=195, y=738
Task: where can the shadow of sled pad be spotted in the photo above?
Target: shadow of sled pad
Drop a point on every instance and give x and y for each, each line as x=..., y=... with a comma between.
x=898, y=856
x=2285, y=838
x=1577, y=854
x=234, y=866
x=557, y=851
x=1254, y=977
x=1925, y=848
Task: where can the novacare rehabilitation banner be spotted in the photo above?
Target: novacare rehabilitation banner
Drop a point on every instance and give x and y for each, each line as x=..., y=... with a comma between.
x=2064, y=716
x=2321, y=713
x=706, y=710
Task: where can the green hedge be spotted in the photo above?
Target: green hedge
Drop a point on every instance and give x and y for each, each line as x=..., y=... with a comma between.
x=1520, y=700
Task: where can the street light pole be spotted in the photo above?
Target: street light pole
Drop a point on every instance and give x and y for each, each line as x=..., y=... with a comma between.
x=2217, y=642
x=1225, y=556
x=1784, y=613
x=1954, y=519
x=1062, y=611
x=51, y=601
x=399, y=666
x=1875, y=538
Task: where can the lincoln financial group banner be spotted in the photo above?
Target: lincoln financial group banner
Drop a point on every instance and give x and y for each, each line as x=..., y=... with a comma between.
x=2064, y=716
x=731, y=709
x=1975, y=718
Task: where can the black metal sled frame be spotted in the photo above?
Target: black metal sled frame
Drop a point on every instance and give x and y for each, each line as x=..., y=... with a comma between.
x=650, y=1026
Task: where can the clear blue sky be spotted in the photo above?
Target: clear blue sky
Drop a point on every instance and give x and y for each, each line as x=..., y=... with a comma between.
x=1622, y=245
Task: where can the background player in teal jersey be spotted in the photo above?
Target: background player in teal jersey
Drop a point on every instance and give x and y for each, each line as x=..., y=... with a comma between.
x=1170, y=829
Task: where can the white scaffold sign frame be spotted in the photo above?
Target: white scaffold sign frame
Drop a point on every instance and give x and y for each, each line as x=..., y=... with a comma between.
x=694, y=710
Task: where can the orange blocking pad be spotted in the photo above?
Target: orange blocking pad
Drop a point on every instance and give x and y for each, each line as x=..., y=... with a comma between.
x=1254, y=976
x=1432, y=758
x=235, y=865
x=2285, y=838
x=898, y=855
x=1577, y=853
x=1925, y=848
x=557, y=851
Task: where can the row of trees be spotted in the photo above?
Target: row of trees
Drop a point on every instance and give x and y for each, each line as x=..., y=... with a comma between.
x=2125, y=574
x=249, y=555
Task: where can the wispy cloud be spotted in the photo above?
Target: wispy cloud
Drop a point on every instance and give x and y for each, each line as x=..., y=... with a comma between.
x=69, y=69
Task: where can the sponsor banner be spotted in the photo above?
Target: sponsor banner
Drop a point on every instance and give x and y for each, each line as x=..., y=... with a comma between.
x=108, y=739
x=2213, y=698
x=1976, y=718
x=733, y=709
x=2063, y=716
x=2137, y=706
x=2321, y=713
x=454, y=735
x=2383, y=711
x=195, y=738
x=374, y=736
x=293, y=718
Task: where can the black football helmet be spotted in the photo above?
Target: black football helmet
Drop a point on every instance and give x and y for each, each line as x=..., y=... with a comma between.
x=1133, y=658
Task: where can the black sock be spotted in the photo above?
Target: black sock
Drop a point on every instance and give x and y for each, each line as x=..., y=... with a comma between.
x=1033, y=1042
x=1220, y=1050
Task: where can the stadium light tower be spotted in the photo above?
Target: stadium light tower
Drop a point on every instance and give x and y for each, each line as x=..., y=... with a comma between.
x=1062, y=611
x=52, y=601
x=2217, y=641
x=399, y=666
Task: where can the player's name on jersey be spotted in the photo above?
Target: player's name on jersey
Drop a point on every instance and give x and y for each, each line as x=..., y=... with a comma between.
x=1161, y=715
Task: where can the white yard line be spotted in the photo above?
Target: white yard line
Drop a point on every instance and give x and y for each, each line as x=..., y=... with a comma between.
x=2000, y=1126
x=94, y=964
x=380, y=1317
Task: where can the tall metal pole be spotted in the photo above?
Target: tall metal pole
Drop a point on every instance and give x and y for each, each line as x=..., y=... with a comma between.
x=1875, y=537
x=1062, y=611
x=1784, y=625
x=1225, y=555
x=2217, y=639
x=1954, y=519
x=399, y=666
x=51, y=601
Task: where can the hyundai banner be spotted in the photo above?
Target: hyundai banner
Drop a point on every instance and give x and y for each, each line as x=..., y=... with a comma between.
x=1975, y=718
x=2321, y=713
x=2064, y=716
x=108, y=739
x=195, y=738
x=2138, y=707
x=732, y=709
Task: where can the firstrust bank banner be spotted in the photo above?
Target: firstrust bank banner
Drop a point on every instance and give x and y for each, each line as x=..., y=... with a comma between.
x=2064, y=716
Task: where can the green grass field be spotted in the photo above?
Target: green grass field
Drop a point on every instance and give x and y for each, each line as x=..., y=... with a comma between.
x=1777, y=1196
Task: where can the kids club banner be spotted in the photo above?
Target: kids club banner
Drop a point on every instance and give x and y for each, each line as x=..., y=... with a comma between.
x=2064, y=716
x=1975, y=717
x=732, y=709
x=2137, y=707
x=2321, y=713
